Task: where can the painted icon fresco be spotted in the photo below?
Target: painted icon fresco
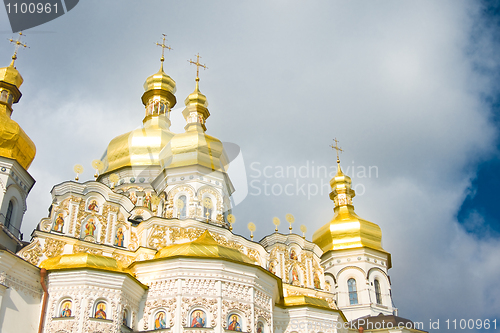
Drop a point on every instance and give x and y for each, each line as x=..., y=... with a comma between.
x=90, y=228
x=59, y=223
x=93, y=206
x=100, y=312
x=234, y=323
x=119, y=237
x=295, y=276
x=198, y=318
x=66, y=309
x=293, y=255
x=317, y=282
x=260, y=327
x=125, y=317
x=160, y=320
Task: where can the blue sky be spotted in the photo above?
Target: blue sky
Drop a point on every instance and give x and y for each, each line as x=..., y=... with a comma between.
x=408, y=87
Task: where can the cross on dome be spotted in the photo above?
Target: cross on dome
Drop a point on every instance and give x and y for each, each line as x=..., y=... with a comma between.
x=18, y=44
x=163, y=47
x=198, y=65
x=337, y=148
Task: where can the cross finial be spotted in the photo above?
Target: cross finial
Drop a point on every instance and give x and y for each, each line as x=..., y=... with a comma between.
x=18, y=44
x=163, y=47
x=198, y=65
x=337, y=148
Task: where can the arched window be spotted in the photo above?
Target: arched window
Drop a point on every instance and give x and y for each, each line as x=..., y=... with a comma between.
x=353, y=293
x=8, y=216
x=183, y=209
x=378, y=294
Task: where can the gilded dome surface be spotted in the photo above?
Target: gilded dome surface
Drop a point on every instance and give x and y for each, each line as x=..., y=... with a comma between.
x=204, y=246
x=140, y=147
x=346, y=230
x=14, y=142
x=83, y=260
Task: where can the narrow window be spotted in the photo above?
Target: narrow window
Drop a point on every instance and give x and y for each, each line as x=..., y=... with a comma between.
x=183, y=209
x=8, y=216
x=353, y=294
x=377, y=292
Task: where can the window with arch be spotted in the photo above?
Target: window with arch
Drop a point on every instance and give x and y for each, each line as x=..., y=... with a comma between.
x=66, y=308
x=126, y=318
x=100, y=310
x=234, y=322
x=8, y=216
x=198, y=318
x=160, y=320
x=183, y=209
x=353, y=293
x=208, y=205
x=378, y=294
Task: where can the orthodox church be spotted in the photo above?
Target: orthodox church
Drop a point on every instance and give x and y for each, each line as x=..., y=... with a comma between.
x=148, y=245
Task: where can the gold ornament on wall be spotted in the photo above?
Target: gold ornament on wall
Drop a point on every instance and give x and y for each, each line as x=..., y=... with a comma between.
x=251, y=227
x=231, y=219
x=276, y=222
x=98, y=166
x=290, y=219
x=113, y=178
x=303, y=228
x=78, y=169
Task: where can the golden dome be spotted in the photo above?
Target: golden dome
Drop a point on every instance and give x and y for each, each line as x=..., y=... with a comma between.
x=194, y=146
x=346, y=230
x=11, y=75
x=142, y=146
x=14, y=142
x=83, y=260
x=205, y=246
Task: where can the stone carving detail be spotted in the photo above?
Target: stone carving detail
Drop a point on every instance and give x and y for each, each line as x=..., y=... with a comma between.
x=123, y=259
x=262, y=300
x=134, y=242
x=53, y=247
x=20, y=286
x=236, y=291
x=85, y=249
x=46, y=225
x=199, y=287
x=246, y=309
x=168, y=304
x=210, y=304
x=259, y=313
x=32, y=253
x=159, y=237
x=162, y=288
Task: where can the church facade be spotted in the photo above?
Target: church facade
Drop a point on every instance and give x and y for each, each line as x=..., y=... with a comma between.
x=148, y=245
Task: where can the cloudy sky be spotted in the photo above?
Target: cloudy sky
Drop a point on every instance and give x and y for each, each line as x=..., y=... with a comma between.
x=409, y=88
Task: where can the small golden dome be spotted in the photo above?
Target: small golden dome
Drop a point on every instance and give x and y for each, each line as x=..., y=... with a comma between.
x=204, y=246
x=160, y=85
x=194, y=146
x=14, y=142
x=346, y=229
x=11, y=75
x=83, y=260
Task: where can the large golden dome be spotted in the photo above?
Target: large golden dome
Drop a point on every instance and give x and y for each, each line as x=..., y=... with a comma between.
x=204, y=246
x=346, y=230
x=142, y=146
x=14, y=142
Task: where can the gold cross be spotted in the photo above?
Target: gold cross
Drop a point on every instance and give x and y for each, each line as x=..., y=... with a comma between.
x=337, y=148
x=198, y=65
x=18, y=44
x=163, y=47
